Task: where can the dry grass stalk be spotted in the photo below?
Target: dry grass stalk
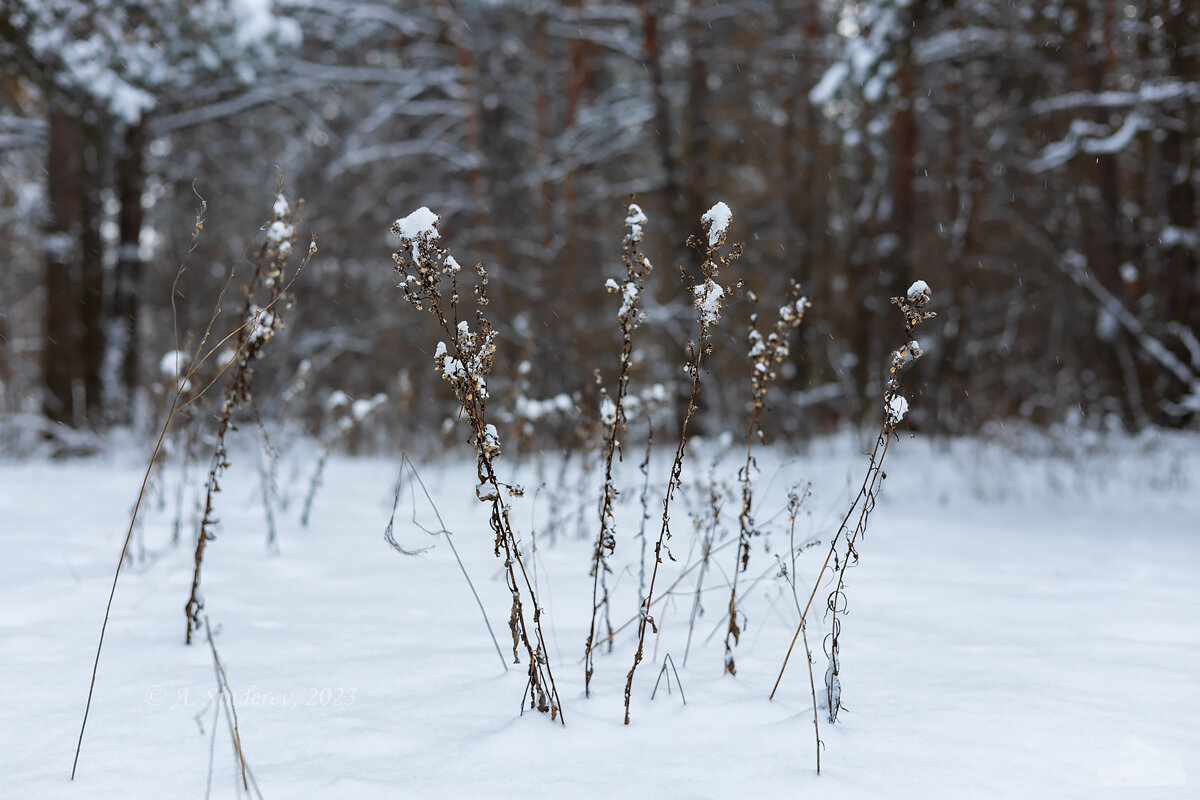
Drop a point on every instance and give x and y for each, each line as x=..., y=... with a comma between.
x=225, y=695
x=644, y=501
x=183, y=399
x=464, y=358
x=795, y=501
x=612, y=416
x=707, y=522
x=176, y=404
x=389, y=536
x=707, y=297
x=663, y=673
x=262, y=316
x=764, y=354
x=895, y=406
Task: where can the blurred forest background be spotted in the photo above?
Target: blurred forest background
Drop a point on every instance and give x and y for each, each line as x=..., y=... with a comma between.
x=1035, y=161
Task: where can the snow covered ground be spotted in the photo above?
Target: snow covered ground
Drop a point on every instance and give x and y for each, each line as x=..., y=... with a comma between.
x=1020, y=625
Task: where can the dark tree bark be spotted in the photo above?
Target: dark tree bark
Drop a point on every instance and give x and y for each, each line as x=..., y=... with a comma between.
x=579, y=85
x=1181, y=26
x=131, y=178
x=652, y=48
x=697, y=117
x=60, y=266
x=90, y=340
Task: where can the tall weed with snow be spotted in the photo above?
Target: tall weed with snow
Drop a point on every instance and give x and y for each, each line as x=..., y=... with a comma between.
x=429, y=279
x=765, y=354
x=707, y=295
x=262, y=317
x=613, y=418
x=843, y=552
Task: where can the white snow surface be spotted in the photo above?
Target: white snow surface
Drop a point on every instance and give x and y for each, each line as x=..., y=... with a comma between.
x=1022, y=623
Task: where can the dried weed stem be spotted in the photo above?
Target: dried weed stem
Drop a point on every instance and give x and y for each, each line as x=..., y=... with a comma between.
x=895, y=406
x=612, y=416
x=260, y=322
x=464, y=358
x=707, y=296
x=764, y=354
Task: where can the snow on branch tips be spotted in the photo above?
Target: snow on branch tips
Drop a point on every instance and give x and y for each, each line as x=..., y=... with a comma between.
x=707, y=295
x=420, y=225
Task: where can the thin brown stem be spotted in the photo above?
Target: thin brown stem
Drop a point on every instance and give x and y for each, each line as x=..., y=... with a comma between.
x=223, y=682
x=665, y=530
x=637, y=268
x=829, y=556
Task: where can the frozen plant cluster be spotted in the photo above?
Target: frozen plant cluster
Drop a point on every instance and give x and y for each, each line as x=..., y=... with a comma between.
x=708, y=294
x=465, y=358
x=635, y=219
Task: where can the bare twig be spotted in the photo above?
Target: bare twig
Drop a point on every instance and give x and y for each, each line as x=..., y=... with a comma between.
x=764, y=355
x=259, y=325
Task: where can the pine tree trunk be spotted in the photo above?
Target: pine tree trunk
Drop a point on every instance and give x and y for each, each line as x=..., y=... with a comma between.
x=124, y=349
x=91, y=296
x=60, y=266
